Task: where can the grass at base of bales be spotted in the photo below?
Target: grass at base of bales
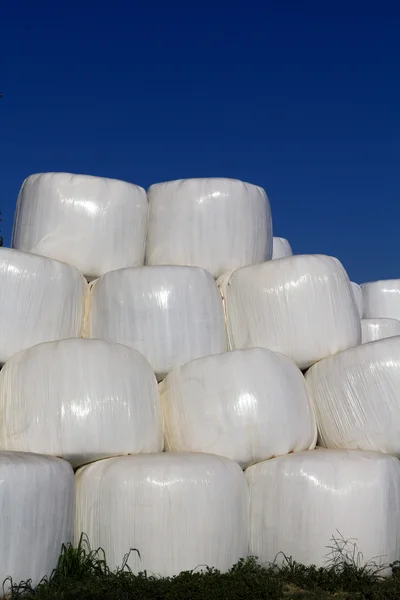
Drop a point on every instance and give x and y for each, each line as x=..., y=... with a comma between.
x=82, y=574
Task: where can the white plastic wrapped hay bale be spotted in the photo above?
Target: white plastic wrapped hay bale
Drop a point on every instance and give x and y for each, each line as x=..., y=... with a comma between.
x=93, y=223
x=358, y=297
x=378, y=329
x=40, y=300
x=356, y=397
x=301, y=502
x=247, y=405
x=36, y=515
x=382, y=299
x=281, y=248
x=217, y=224
x=169, y=314
x=81, y=400
x=301, y=306
x=181, y=511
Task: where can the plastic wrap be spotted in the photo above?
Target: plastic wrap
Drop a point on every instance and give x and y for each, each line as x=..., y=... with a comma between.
x=36, y=515
x=301, y=306
x=358, y=297
x=81, y=400
x=247, y=405
x=301, y=503
x=93, y=223
x=281, y=248
x=217, y=224
x=169, y=314
x=356, y=397
x=181, y=511
x=382, y=299
x=40, y=299
x=377, y=329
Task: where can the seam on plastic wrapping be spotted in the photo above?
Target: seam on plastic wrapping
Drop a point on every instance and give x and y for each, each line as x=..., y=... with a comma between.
x=162, y=393
x=315, y=440
x=222, y=283
x=313, y=408
x=88, y=298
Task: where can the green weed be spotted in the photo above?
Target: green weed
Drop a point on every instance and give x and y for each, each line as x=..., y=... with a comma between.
x=83, y=574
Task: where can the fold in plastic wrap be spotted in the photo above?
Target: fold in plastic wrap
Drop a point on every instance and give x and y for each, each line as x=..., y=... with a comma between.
x=281, y=248
x=378, y=329
x=301, y=306
x=93, y=223
x=217, y=224
x=170, y=314
x=36, y=515
x=81, y=400
x=181, y=511
x=358, y=297
x=356, y=397
x=382, y=299
x=301, y=503
x=40, y=299
x=247, y=405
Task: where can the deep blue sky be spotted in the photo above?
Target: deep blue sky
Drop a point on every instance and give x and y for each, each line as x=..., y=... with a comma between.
x=302, y=98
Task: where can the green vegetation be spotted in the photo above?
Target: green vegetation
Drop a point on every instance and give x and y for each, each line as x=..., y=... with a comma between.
x=82, y=574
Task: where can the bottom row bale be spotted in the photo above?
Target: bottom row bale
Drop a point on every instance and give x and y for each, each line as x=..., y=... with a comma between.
x=36, y=514
x=180, y=510
x=326, y=505
x=184, y=511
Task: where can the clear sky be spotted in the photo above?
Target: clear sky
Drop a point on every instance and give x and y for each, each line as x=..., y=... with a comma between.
x=302, y=98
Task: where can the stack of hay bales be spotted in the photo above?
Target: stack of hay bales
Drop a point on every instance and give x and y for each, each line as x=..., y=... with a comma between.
x=184, y=362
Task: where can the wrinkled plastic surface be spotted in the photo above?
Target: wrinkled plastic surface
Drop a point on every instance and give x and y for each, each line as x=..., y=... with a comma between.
x=378, y=329
x=217, y=224
x=356, y=397
x=81, y=400
x=40, y=299
x=36, y=515
x=281, y=248
x=93, y=223
x=247, y=405
x=301, y=501
x=382, y=299
x=301, y=306
x=169, y=314
x=181, y=511
x=358, y=297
